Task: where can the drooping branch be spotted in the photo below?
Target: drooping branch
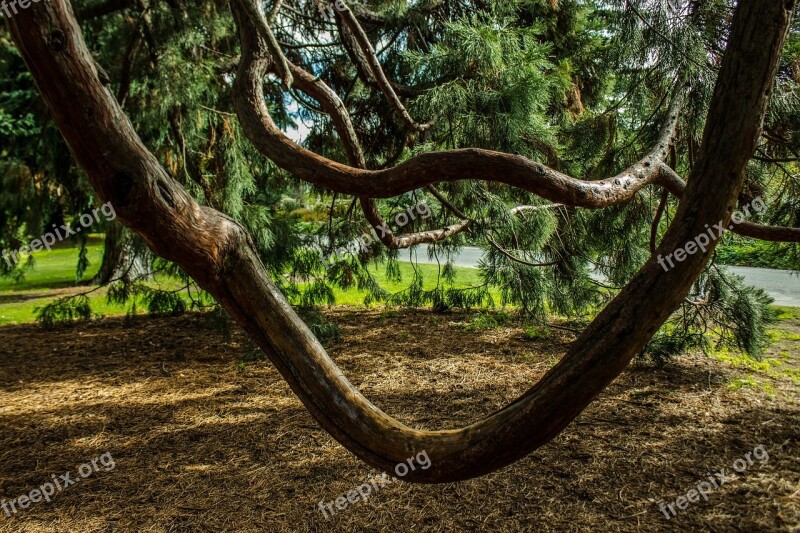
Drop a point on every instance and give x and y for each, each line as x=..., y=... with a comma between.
x=516, y=259
x=361, y=39
x=406, y=241
x=281, y=63
x=131, y=54
x=362, y=65
x=445, y=202
x=218, y=253
x=427, y=168
x=190, y=166
x=452, y=165
x=331, y=104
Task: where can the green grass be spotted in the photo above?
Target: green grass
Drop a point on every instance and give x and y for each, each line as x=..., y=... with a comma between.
x=750, y=383
x=56, y=270
x=465, y=277
x=786, y=313
x=739, y=360
x=53, y=270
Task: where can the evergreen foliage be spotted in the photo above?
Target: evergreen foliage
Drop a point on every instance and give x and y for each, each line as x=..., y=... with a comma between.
x=579, y=85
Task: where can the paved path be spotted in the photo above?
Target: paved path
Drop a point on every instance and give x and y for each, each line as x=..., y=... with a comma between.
x=782, y=285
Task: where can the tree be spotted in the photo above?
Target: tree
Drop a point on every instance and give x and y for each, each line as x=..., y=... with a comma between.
x=145, y=51
x=552, y=86
x=218, y=253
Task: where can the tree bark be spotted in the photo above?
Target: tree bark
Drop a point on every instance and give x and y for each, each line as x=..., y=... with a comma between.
x=120, y=260
x=219, y=254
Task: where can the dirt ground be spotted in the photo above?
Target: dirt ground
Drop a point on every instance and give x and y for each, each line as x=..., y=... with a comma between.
x=203, y=437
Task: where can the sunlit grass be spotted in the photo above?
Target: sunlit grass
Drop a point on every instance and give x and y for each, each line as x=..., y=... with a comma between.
x=465, y=278
x=749, y=383
x=55, y=269
x=54, y=272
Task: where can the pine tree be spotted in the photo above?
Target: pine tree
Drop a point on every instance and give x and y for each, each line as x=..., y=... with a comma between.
x=215, y=250
x=581, y=86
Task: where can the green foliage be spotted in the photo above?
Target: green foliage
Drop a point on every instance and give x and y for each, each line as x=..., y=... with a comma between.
x=64, y=311
x=500, y=86
x=580, y=85
x=488, y=321
x=760, y=254
x=164, y=303
x=537, y=333
x=720, y=312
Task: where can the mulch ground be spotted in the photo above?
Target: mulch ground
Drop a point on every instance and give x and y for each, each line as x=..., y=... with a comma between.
x=205, y=438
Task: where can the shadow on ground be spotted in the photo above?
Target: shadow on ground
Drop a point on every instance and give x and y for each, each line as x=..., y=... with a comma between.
x=204, y=441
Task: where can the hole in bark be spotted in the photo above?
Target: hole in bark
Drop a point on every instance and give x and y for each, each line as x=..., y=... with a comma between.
x=57, y=41
x=121, y=188
x=165, y=193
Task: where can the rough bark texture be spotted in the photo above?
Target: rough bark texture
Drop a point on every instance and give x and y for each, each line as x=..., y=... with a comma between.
x=219, y=255
x=120, y=260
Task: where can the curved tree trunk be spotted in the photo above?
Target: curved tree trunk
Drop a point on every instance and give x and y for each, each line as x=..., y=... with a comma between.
x=120, y=261
x=218, y=253
x=112, y=255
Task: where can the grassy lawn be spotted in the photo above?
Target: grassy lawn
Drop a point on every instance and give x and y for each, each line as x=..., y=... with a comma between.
x=53, y=276
x=465, y=277
x=54, y=269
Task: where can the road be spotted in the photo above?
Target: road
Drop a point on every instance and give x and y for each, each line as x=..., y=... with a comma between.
x=781, y=285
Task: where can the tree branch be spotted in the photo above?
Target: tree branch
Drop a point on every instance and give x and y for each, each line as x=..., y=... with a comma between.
x=745, y=229
x=427, y=168
x=368, y=53
x=332, y=105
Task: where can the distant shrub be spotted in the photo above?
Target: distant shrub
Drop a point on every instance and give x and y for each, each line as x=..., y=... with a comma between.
x=486, y=320
x=759, y=254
